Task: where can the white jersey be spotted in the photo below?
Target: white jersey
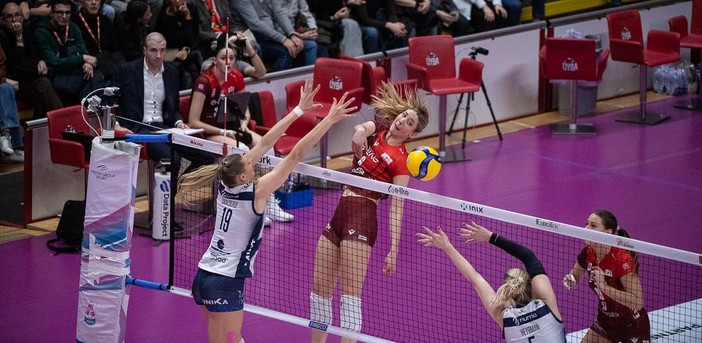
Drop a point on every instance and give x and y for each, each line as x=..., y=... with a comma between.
x=533, y=323
x=237, y=233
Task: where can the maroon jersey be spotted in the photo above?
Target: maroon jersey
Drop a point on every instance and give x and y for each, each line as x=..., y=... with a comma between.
x=617, y=263
x=208, y=85
x=380, y=161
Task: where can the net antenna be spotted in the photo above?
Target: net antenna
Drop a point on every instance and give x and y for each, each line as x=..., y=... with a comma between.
x=223, y=90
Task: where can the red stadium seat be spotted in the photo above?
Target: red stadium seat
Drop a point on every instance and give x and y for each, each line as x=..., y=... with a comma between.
x=63, y=151
x=432, y=62
x=691, y=40
x=572, y=59
x=627, y=45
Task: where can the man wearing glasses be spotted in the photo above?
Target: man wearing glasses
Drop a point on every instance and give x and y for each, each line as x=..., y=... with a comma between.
x=25, y=69
x=61, y=45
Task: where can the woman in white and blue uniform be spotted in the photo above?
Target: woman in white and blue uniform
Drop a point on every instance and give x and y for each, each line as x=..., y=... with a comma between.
x=524, y=306
x=241, y=202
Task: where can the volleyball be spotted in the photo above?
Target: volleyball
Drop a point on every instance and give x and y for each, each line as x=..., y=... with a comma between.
x=424, y=163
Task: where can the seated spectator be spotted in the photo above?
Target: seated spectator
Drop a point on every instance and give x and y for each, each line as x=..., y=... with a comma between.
x=205, y=101
x=452, y=20
x=61, y=45
x=100, y=39
x=132, y=28
x=304, y=23
x=11, y=143
x=206, y=105
x=179, y=24
x=330, y=12
x=488, y=15
x=380, y=25
x=149, y=101
x=418, y=16
x=23, y=64
x=281, y=47
x=212, y=15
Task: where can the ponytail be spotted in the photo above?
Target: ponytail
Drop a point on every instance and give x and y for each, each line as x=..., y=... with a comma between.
x=516, y=290
x=623, y=233
x=610, y=223
x=227, y=170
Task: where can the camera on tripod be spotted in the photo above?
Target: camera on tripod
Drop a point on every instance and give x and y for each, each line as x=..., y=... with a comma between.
x=476, y=50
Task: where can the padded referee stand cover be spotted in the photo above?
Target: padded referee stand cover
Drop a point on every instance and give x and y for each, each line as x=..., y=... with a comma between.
x=107, y=239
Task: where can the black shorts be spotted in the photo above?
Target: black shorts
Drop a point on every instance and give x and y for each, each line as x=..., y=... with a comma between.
x=355, y=219
x=638, y=331
x=218, y=293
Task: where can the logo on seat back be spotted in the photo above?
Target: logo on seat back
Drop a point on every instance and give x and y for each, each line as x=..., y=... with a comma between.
x=336, y=84
x=570, y=65
x=626, y=34
x=432, y=60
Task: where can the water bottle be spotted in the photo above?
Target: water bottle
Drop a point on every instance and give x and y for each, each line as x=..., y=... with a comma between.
x=69, y=128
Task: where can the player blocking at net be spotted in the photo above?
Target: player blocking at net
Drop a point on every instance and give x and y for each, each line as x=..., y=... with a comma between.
x=524, y=306
x=344, y=248
x=613, y=274
x=241, y=202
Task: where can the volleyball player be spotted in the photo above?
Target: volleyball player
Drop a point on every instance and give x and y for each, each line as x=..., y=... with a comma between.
x=344, y=248
x=241, y=201
x=613, y=274
x=524, y=306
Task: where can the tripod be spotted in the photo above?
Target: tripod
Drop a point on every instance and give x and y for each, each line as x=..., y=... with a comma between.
x=465, y=121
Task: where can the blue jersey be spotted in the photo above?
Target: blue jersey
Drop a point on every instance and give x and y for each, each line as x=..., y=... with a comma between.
x=237, y=234
x=533, y=323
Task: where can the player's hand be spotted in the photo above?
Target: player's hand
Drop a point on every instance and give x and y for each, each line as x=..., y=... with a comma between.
x=307, y=96
x=597, y=277
x=569, y=281
x=340, y=108
x=430, y=238
x=358, y=142
x=474, y=233
x=390, y=263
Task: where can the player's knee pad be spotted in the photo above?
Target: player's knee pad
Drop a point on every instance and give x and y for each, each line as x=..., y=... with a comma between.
x=351, y=318
x=320, y=309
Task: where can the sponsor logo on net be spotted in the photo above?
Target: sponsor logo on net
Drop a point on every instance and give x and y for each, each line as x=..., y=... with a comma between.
x=196, y=143
x=318, y=325
x=624, y=244
x=547, y=224
x=326, y=173
x=471, y=208
x=398, y=190
x=265, y=160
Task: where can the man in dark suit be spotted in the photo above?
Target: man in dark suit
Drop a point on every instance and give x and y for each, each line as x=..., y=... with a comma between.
x=149, y=100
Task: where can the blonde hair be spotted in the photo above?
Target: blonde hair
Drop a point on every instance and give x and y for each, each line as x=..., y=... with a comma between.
x=227, y=170
x=516, y=290
x=390, y=103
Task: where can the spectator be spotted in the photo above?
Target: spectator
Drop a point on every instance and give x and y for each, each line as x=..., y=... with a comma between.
x=132, y=28
x=180, y=25
x=452, y=19
x=380, y=25
x=149, y=100
x=282, y=47
x=23, y=63
x=34, y=10
x=328, y=12
x=100, y=38
x=10, y=136
x=418, y=16
x=304, y=23
x=61, y=45
x=488, y=15
x=212, y=15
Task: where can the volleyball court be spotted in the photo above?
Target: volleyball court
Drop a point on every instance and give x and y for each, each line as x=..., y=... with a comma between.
x=428, y=300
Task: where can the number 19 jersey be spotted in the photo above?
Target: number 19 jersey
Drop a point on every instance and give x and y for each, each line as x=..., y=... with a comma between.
x=237, y=234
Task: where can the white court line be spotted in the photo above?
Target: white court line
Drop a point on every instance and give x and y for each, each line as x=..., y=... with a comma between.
x=677, y=323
